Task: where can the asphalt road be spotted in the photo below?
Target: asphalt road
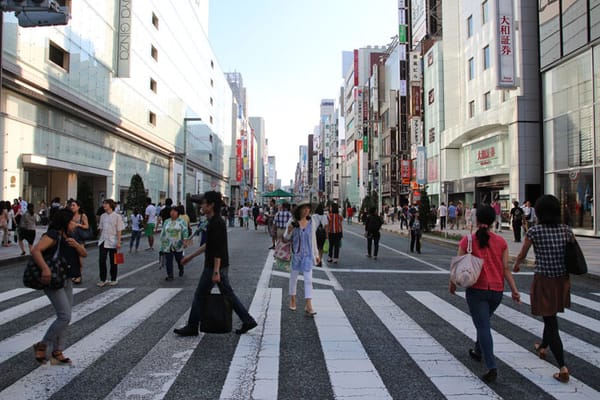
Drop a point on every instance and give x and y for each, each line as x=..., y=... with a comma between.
x=385, y=328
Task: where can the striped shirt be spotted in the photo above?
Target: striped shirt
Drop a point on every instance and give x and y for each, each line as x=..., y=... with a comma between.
x=335, y=223
x=282, y=218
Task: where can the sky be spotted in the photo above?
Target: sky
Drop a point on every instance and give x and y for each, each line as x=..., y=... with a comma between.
x=290, y=56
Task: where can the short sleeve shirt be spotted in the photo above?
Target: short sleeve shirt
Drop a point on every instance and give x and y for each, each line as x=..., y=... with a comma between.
x=549, y=245
x=151, y=214
x=110, y=225
x=492, y=272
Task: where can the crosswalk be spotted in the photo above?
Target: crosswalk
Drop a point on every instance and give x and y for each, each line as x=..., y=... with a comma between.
x=434, y=348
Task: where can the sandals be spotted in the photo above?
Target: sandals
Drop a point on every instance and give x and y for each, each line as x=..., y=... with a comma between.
x=310, y=313
x=76, y=280
x=540, y=351
x=40, y=352
x=562, y=376
x=58, y=358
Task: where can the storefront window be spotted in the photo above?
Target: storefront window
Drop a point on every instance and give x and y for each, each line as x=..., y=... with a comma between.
x=596, y=59
x=575, y=190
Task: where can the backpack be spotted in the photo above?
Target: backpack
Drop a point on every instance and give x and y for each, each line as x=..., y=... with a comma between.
x=518, y=214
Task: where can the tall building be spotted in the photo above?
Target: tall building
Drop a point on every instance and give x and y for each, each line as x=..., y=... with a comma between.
x=108, y=96
x=569, y=39
x=258, y=125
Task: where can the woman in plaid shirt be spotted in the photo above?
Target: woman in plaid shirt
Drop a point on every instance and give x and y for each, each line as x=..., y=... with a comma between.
x=550, y=289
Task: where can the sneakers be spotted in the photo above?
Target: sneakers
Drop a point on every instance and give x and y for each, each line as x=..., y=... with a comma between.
x=169, y=278
x=490, y=376
x=186, y=331
x=113, y=283
x=246, y=326
x=102, y=283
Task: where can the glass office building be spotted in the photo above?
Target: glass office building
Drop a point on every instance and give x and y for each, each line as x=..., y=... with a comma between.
x=570, y=70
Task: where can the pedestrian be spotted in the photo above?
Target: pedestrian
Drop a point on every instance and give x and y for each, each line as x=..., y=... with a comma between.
x=335, y=233
x=486, y=294
x=322, y=226
x=301, y=231
x=246, y=216
x=281, y=219
x=442, y=214
x=4, y=207
x=451, y=216
x=349, y=214
x=27, y=229
x=110, y=227
x=498, y=212
x=416, y=231
x=473, y=218
x=272, y=228
x=137, y=224
x=150, y=223
x=551, y=288
x=460, y=214
x=255, y=214
x=216, y=263
x=81, y=224
x=58, y=234
x=528, y=216
x=404, y=217
x=516, y=218
x=373, y=223
x=165, y=212
x=173, y=238
x=231, y=215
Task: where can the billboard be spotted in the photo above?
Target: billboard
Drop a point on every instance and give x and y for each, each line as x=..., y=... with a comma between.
x=419, y=25
x=505, y=44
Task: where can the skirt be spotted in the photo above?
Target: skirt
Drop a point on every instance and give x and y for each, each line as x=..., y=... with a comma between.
x=550, y=296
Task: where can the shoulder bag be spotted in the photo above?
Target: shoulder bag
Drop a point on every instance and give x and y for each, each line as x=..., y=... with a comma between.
x=574, y=259
x=215, y=313
x=465, y=269
x=58, y=269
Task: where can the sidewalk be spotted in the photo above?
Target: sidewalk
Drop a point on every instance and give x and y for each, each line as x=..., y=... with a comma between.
x=589, y=246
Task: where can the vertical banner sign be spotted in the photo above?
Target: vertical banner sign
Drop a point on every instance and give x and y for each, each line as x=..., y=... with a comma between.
x=124, y=39
x=505, y=46
x=238, y=160
x=252, y=140
x=421, y=165
x=403, y=73
x=405, y=171
x=355, y=67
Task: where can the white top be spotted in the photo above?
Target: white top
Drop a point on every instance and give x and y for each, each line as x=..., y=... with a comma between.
x=245, y=211
x=151, y=214
x=110, y=225
x=135, y=222
x=320, y=218
x=443, y=211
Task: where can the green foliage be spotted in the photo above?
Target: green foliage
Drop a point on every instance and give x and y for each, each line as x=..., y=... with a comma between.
x=136, y=195
x=86, y=197
x=427, y=217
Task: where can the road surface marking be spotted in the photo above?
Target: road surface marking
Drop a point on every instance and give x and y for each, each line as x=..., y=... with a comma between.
x=28, y=307
x=14, y=293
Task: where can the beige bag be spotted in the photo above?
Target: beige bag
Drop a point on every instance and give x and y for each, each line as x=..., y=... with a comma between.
x=465, y=269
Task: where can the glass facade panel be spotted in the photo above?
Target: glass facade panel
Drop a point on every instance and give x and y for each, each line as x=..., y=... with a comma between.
x=575, y=190
x=574, y=25
x=549, y=14
x=596, y=59
x=594, y=19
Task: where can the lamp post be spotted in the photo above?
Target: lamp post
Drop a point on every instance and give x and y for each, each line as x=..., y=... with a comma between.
x=185, y=121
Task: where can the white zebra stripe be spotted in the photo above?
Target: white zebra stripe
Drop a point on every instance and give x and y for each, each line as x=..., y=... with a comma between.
x=573, y=345
x=44, y=382
x=351, y=372
x=154, y=375
x=582, y=301
x=522, y=361
x=14, y=293
x=13, y=345
x=27, y=307
x=572, y=316
x=447, y=373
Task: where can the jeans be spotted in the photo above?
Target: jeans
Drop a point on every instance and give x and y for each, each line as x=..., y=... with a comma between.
x=517, y=231
x=415, y=239
x=102, y=263
x=135, y=238
x=373, y=237
x=169, y=261
x=203, y=289
x=62, y=301
x=442, y=223
x=334, y=245
x=482, y=304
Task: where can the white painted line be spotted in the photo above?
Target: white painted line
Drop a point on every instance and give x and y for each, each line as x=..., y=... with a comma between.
x=522, y=361
x=405, y=254
x=154, y=375
x=28, y=307
x=44, y=381
x=572, y=316
x=143, y=267
x=582, y=301
x=447, y=373
x=301, y=277
x=573, y=345
x=13, y=345
x=389, y=271
x=332, y=279
x=14, y=293
x=243, y=371
x=351, y=372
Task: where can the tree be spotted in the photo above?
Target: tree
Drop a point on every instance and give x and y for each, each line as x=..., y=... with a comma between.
x=86, y=198
x=136, y=195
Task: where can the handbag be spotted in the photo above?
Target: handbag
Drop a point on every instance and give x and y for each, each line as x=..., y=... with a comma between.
x=85, y=234
x=465, y=269
x=215, y=313
x=119, y=258
x=32, y=276
x=283, y=251
x=574, y=259
x=326, y=246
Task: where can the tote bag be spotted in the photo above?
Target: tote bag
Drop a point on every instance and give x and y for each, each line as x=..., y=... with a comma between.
x=465, y=269
x=215, y=313
x=574, y=259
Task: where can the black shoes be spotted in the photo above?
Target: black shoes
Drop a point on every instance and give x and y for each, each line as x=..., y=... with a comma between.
x=186, y=331
x=246, y=326
x=169, y=278
x=475, y=355
x=180, y=271
x=490, y=376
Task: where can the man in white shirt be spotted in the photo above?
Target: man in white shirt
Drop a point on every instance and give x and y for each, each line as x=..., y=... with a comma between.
x=442, y=213
x=150, y=221
x=110, y=227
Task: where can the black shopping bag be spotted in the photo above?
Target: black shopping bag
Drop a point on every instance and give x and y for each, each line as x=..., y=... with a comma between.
x=215, y=314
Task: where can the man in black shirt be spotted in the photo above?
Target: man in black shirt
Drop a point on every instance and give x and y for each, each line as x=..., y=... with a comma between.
x=165, y=212
x=216, y=262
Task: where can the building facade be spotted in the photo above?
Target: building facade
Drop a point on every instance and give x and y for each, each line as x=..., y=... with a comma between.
x=108, y=96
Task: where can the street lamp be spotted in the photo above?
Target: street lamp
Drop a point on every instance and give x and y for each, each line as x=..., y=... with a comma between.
x=185, y=121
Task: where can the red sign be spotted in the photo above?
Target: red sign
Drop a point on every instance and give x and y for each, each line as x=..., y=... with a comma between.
x=238, y=160
x=355, y=67
x=415, y=101
x=485, y=156
x=405, y=171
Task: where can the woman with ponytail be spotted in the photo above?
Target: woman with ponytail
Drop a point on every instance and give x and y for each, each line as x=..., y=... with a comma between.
x=486, y=294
